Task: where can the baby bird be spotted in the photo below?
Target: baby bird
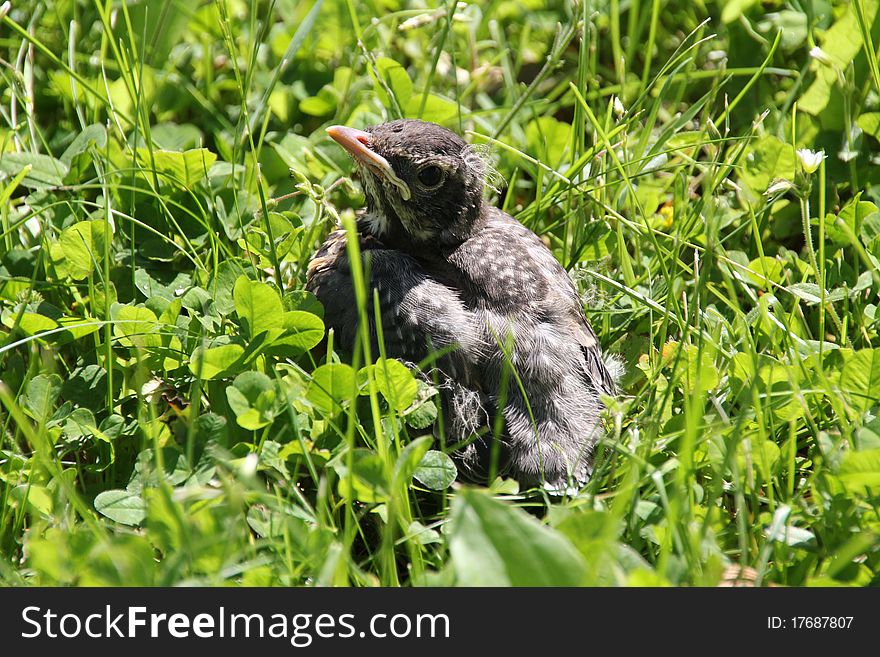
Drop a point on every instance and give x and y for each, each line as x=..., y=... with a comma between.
x=464, y=281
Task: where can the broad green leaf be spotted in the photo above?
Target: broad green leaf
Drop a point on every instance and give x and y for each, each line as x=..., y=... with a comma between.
x=168, y=285
x=184, y=169
x=820, y=101
x=258, y=306
x=409, y=459
x=285, y=235
x=252, y=384
x=82, y=246
x=302, y=331
x=111, y=427
x=45, y=172
x=295, y=151
x=860, y=377
x=80, y=424
x=422, y=416
x=94, y=134
x=764, y=455
x=270, y=523
x=809, y=292
x=593, y=534
x=763, y=271
x=216, y=362
x=135, y=327
x=269, y=457
x=840, y=44
x=122, y=506
x=175, y=137
x=853, y=216
x=860, y=471
x=30, y=323
x=437, y=109
x=396, y=383
x=87, y=387
x=598, y=241
x=295, y=448
x=198, y=300
x=869, y=122
x=279, y=103
x=103, y=298
x=36, y=324
x=317, y=105
x=733, y=9
x=76, y=327
x=870, y=228
x=423, y=535
x=8, y=188
x=246, y=416
x=767, y=159
x=436, y=470
x=331, y=384
x=36, y=497
x=176, y=469
x=792, y=24
x=252, y=398
x=547, y=139
x=305, y=301
x=211, y=428
x=41, y=395
x=700, y=369
x=397, y=79
x=237, y=401
x=494, y=544
x=367, y=482
x=222, y=283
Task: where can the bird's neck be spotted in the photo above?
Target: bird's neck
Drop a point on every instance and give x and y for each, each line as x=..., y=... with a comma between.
x=390, y=232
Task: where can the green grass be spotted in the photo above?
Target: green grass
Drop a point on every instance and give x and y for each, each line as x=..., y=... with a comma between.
x=165, y=178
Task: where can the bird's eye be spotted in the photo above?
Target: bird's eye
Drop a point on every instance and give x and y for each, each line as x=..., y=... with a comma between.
x=431, y=176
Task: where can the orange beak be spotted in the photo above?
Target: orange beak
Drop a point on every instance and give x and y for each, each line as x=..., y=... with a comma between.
x=357, y=143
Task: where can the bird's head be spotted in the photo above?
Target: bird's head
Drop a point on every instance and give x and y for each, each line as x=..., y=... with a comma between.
x=423, y=183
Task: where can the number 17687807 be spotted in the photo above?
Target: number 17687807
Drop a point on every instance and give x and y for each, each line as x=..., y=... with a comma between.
x=809, y=622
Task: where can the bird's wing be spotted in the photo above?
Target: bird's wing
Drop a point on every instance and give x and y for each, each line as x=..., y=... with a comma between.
x=419, y=317
x=563, y=295
x=418, y=314
x=523, y=274
x=329, y=279
x=595, y=369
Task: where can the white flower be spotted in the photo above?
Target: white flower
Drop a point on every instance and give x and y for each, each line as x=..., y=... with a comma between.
x=712, y=127
x=151, y=388
x=779, y=186
x=424, y=19
x=810, y=160
x=248, y=467
x=760, y=119
x=33, y=226
x=821, y=56
x=619, y=109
